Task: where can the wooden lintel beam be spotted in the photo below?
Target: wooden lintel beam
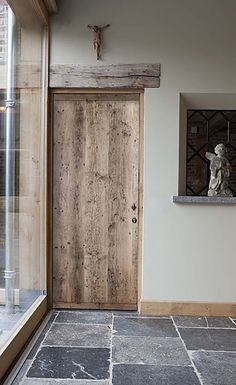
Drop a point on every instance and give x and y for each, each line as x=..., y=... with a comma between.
x=106, y=76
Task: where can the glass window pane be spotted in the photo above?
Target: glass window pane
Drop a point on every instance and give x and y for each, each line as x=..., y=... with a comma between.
x=21, y=169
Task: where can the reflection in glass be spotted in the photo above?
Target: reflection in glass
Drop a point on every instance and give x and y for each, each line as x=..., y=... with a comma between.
x=21, y=171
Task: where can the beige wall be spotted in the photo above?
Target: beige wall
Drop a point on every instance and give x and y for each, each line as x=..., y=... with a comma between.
x=189, y=251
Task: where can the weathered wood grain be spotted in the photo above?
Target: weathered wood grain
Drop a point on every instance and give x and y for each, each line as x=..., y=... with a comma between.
x=96, y=306
x=27, y=76
x=96, y=151
x=109, y=76
x=69, y=153
x=123, y=193
x=30, y=272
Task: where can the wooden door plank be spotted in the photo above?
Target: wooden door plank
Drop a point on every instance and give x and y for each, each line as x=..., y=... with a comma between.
x=123, y=193
x=69, y=154
x=94, y=204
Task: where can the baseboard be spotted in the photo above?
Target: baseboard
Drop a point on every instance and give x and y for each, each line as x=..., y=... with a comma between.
x=148, y=307
x=2, y=296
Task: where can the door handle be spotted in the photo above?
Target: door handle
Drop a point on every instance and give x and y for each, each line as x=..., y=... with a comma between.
x=134, y=220
x=133, y=207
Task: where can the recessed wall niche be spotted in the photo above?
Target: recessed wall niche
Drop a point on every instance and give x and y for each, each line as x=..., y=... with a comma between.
x=205, y=130
x=205, y=121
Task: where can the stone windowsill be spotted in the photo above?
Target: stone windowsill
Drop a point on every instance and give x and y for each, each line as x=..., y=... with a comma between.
x=204, y=199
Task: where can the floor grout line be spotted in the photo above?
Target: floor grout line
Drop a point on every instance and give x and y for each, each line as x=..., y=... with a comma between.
x=142, y=317
x=76, y=346
x=205, y=327
x=70, y=380
x=212, y=351
x=81, y=323
x=193, y=365
x=146, y=336
x=154, y=365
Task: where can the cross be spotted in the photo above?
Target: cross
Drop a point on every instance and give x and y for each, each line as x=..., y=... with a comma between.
x=97, y=42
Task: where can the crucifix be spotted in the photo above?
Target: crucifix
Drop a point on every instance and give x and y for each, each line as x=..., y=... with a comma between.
x=97, y=42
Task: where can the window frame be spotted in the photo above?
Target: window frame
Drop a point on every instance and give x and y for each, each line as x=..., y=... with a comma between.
x=35, y=314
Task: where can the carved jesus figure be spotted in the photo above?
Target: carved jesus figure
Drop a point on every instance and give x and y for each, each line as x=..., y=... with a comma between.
x=220, y=172
x=97, y=42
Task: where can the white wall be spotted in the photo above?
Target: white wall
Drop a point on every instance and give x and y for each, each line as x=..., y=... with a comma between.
x=189, y=251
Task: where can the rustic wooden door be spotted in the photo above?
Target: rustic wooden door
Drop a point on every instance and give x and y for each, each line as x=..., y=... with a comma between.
x=95, y=200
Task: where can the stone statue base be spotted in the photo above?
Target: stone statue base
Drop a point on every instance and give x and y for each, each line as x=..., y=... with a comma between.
x=225, y=193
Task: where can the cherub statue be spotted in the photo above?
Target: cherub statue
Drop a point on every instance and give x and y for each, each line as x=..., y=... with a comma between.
x=97, y=42
x=220, y=172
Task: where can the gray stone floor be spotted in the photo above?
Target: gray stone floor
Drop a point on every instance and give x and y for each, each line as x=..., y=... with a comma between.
x=104, y=348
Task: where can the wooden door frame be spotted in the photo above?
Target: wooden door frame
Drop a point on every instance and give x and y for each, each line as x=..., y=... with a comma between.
x=53, y=92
